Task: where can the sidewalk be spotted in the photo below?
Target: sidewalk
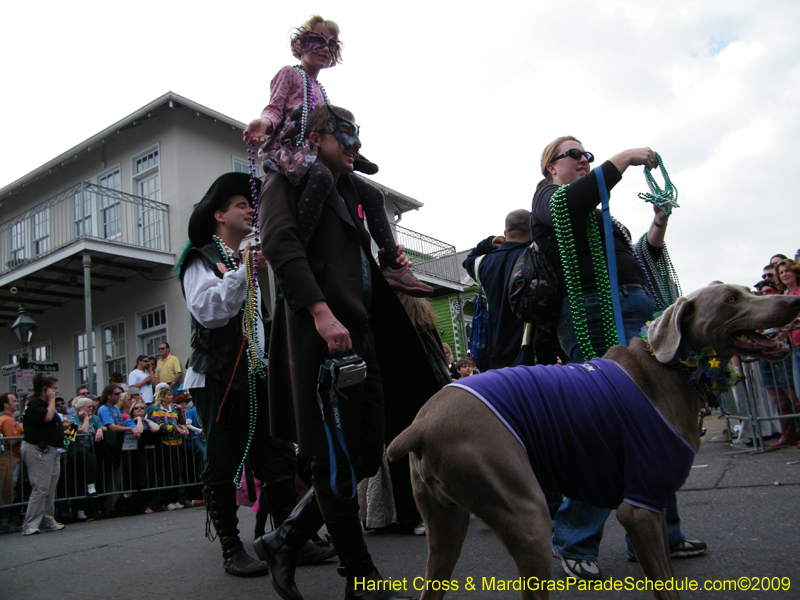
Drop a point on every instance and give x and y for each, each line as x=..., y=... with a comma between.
x=746, y=507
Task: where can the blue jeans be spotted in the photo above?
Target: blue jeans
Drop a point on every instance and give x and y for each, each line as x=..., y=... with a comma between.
x=578, y=527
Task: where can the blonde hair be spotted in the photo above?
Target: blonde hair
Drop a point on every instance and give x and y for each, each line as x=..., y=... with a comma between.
x=125, y=397
x=314, y=23
x=549, y=153
x=419, y=310
x=158, y=399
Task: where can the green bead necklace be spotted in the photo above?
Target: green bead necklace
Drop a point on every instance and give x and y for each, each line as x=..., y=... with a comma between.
x=569, y=259
x=664, y=199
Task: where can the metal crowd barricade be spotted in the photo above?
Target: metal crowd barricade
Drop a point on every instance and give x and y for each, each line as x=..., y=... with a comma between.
x=141, y=467
x=751, y=403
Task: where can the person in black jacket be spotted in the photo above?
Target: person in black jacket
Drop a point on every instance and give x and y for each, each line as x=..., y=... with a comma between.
x=42, y=445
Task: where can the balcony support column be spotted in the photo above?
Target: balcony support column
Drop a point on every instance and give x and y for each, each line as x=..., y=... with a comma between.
x=87, y=302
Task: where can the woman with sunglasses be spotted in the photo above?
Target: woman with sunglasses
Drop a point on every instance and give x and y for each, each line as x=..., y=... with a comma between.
x=578, y=526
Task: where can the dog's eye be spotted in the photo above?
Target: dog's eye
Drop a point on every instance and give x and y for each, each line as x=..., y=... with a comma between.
x=733, y=298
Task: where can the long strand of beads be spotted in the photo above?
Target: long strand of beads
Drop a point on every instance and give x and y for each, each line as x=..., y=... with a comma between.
x=603, y=281
x=227, y=254
x=569, y=260
x=650, y=288
x=664, y=199
x=298, y=140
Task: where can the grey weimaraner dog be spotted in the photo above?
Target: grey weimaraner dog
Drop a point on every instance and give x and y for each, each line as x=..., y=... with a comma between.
x=471, y=453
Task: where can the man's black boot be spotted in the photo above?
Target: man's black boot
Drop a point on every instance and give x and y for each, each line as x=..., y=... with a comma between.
x=359, y=570
x=220, y=501
x=278, y=500
x=281, y=548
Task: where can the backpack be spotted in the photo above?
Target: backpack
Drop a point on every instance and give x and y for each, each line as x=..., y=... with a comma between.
x=479, y=336
x=533, y=292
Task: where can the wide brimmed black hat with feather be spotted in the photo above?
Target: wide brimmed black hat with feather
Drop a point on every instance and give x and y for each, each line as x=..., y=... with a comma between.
x=202, y=224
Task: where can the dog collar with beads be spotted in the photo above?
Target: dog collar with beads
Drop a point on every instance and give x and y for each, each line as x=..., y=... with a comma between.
x=702, y=369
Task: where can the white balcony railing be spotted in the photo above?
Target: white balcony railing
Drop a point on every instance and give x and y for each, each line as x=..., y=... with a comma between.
x=84, y=211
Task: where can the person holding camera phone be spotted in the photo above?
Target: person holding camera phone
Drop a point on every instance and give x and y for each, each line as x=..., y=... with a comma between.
x=42, y=446
x=143, y=378
x=334, y=301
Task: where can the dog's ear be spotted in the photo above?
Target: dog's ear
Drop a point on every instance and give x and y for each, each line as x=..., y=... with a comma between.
x=665, y=332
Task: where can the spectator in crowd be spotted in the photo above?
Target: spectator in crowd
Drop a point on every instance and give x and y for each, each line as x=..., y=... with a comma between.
x=111, y=444
x=9, y=459
x=81, y=392
x=491, y=263
x=124, y=404
x=166, y=415
x=168, y=367
x=448, y=354
x=462, y=369
x=788, y=272
x=143, y=378
x=82, y=461
x=776, y=258
x=61, y=408
x=768, y=370
x=118, y=378
x=194, y=427
x=43, y=439
x=578, y=527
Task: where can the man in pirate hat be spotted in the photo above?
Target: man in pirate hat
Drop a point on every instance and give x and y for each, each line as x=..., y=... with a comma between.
x=333, y=300
x=214, y=284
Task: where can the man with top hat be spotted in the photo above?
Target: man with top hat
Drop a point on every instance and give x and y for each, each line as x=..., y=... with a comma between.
x=215, y=284
x=333, y=301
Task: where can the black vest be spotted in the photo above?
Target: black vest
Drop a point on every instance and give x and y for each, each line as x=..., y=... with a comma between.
x=214, y=351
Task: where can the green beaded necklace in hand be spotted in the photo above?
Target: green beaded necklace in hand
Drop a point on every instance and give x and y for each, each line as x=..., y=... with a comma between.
x=664, y=199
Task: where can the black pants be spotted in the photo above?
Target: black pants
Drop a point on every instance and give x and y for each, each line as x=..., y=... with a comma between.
x=271, y=458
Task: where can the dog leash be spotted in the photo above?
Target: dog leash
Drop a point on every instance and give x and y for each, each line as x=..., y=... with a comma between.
x=611, y=256
x=334, y=395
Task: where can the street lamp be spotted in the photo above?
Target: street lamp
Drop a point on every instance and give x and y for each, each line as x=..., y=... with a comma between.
x=24, y=328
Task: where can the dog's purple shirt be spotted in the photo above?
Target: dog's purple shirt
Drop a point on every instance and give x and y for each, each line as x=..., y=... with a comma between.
x=589, y=432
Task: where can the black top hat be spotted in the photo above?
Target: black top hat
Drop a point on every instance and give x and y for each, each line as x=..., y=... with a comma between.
x=202, y=224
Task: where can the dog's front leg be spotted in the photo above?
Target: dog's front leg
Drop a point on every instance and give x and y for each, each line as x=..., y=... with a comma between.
x=648, y=533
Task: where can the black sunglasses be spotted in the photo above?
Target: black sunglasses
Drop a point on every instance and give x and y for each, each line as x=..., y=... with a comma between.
x=767, y=276
x=575, y=154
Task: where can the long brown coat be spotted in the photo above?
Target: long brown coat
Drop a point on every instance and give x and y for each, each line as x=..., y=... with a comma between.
x=330, y=269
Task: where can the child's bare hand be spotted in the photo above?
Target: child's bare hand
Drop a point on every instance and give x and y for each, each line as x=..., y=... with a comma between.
x=257, y=130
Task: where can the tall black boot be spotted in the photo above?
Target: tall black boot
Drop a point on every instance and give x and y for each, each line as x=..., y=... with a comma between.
x=348, y=538
x=220, y=501
x=281, y=548
x=278, y=499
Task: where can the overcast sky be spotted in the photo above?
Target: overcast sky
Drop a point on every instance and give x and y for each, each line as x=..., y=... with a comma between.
x=456, y=100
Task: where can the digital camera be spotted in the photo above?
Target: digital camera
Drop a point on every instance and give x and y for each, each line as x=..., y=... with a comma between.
x=343, y=372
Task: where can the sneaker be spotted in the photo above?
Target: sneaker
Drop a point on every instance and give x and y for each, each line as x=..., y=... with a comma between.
x=188, y=504
x=683, y=549
x=148, y=511
x=171, y=507
x=585, y=570
x=81, y=516
x=30, y=531
x=687, y=549
x=177, y=505
x=419, y=529
x=403, y=279
x=54, y=526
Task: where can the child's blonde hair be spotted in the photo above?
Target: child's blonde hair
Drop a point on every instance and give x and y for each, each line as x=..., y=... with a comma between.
x=314, y=23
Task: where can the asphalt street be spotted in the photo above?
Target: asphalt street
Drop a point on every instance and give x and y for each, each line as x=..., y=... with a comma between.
x=745, y=506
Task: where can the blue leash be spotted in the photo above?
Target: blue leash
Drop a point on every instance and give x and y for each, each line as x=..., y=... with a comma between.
x=611, y=256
